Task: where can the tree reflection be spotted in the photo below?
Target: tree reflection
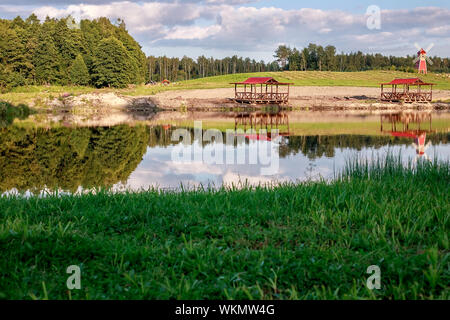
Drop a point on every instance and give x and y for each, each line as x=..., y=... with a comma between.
x=66, y=158
x=9, y=112
x=319, y=146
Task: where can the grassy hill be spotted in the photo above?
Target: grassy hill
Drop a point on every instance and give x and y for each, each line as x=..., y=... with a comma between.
x=299, y=78
x=303, y=78
x=328, y=78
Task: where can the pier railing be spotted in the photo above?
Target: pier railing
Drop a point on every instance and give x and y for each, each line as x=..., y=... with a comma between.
x=262, y=97
x=407, y=96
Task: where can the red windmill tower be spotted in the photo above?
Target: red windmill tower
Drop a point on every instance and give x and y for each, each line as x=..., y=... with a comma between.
x=422, y=59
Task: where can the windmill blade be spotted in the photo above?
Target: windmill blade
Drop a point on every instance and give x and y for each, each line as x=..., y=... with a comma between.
x=417, y=46
x=416, y=59
x=430, y=47
x=429, y=61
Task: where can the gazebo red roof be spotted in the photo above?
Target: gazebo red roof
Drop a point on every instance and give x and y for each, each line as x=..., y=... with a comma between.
x=404, y=134
x=261, y=80
x=409, y=81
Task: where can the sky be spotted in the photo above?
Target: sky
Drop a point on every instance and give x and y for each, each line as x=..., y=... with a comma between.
x=255, y=28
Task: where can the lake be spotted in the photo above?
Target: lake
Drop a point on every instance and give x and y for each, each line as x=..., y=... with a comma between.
x=174, y=150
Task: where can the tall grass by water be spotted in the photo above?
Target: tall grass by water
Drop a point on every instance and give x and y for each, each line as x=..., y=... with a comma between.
x=312, y=240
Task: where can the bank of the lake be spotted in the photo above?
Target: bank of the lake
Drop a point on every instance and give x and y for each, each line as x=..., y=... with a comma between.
x=305, y=241
x=312, y=89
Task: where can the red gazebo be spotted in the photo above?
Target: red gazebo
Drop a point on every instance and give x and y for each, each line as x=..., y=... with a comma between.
x=404, y=93
x=265, y=90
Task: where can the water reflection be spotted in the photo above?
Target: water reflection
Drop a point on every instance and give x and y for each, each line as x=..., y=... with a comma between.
x=412, y=125
x=139, y=156
x=263, y=120
x=66, y=158
x=8, y=113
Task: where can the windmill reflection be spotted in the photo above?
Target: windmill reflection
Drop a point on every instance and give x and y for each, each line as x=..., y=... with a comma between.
x=413, y=125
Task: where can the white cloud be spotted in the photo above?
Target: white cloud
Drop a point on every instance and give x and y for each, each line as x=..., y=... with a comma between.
x=439, y=31
x=215, y=25
x=192, y=32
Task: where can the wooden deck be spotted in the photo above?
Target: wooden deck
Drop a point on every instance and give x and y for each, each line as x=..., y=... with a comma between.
x=261, y=98
x=407, y=96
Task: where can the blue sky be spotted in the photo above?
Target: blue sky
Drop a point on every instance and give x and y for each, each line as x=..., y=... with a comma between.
x=255, y=28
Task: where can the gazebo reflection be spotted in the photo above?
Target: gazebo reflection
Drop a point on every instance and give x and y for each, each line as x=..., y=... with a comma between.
x=262, y=120
x=412, y=125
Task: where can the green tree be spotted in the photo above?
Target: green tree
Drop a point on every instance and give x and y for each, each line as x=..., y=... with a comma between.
x=12, y=59
x=69, y=44
x=294, y=60
x=138, y=62
x=79, y=74
x=282, y=54
x=111, y=64
x=47, y=60
x=330, y=57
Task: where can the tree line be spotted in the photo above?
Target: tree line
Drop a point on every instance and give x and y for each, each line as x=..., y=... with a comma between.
x=315, y=57
x=311, y=58
x=59, y=52
x=100, y=53
x=186, y=68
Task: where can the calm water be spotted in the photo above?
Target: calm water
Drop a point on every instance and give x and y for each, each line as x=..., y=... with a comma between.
x=70, y=155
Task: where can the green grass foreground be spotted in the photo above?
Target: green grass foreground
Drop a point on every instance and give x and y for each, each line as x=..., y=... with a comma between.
x=307, y=241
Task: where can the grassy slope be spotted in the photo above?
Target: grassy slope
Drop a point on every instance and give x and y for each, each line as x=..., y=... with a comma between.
x=303, y=78
x=328, y=78
x=311, y=241
x=299, y=78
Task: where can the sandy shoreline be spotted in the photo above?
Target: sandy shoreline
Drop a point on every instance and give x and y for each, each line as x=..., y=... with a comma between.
x=346, y=97
x=310, y=98
x=328, y=104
